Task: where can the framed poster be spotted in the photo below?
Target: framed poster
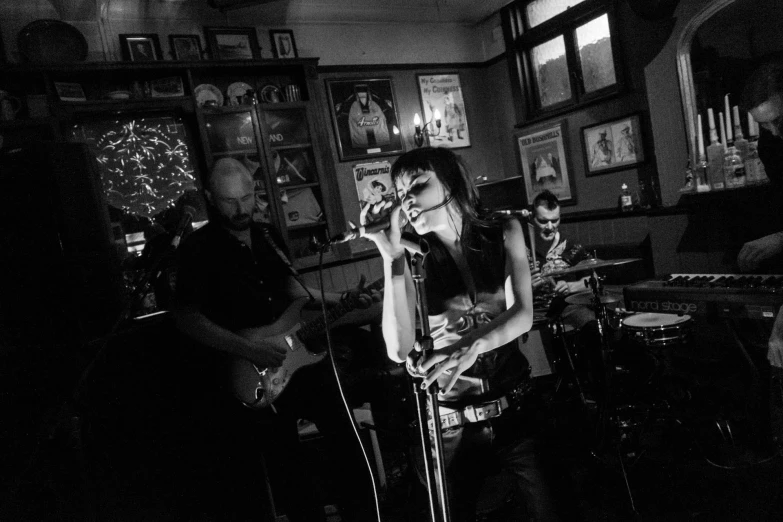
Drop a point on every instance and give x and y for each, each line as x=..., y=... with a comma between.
x=613, y=145
x=283, y=43
x=140, y=47
x=443, y=93
x=232, y=43
x=185, y=47
x=543, y=160
x=364, y=113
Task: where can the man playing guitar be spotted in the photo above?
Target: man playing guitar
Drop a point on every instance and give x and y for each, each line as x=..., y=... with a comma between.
x=232, y=277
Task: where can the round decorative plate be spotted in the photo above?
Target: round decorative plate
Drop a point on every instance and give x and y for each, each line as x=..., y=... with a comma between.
x=208, y=92
x=236, y=92
x=51, y=41
x=271, y=94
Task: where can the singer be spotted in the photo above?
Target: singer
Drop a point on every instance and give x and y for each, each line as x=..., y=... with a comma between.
x=479, y=296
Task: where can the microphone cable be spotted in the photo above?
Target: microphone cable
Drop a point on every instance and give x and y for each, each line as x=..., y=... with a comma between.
x=348, y=410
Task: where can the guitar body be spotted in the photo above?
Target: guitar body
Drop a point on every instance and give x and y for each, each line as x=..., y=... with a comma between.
x=258, y=388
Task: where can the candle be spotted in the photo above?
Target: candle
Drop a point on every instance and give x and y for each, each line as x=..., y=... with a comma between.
x=700, y=137
x=729, y=136
x=753, y=127
x=417, y=122
x=737, y=122
x=722, y=124
x=711, y=121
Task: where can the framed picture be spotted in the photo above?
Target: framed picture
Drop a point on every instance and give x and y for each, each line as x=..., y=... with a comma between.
x=613, y=145
x=69, y=91
x=185, y=47
x=283, y=43
x=543, y=159
x=232, y=43
x=364, y=112
x=140, y=47
x=443, y=93
x=167, y=87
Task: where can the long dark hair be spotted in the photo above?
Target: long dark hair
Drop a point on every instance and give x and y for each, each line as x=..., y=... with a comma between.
x=454, y=176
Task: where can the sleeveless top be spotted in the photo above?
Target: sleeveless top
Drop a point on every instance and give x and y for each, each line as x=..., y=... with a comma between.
x=453, y=312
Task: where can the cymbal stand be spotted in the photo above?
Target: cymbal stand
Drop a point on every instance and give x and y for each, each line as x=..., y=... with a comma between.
x=605, y=417
x=427, y=400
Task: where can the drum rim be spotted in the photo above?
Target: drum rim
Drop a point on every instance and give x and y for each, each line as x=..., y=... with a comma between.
x=682, y=319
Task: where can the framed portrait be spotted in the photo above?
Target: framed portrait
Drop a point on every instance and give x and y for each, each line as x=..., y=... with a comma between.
x=441, y=95
x=543, y=160
x=364, y=113
x=140, y=47
x=613, y=145
x=232, y=43
x=68, y=91
x=283, y=43
x=185, y=47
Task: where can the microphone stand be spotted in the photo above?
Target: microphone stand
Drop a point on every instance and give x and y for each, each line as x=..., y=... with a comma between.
x=427, y=400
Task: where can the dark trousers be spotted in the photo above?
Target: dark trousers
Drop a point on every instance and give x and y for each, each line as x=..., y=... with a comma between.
x=475, y=451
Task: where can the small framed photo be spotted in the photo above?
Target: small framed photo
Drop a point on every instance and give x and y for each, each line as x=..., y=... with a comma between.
x=543, y=161
x=283, y=43
x=67, y=91
x=185, y=47
x=167, y=87
x=140, y=47
x=613, y=145
x=232, y=43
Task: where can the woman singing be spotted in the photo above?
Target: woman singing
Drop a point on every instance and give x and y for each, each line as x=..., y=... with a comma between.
x=479, y=297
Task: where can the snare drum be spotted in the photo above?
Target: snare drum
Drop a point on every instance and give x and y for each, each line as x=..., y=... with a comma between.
x=656, y=330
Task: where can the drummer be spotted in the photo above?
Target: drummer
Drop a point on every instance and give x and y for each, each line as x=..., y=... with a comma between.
x=552, y=253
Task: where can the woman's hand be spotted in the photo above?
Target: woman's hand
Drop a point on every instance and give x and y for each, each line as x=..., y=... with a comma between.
x=387, y=241
x=453, y=360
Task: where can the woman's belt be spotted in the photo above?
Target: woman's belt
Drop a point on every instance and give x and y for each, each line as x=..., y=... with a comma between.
x=451, y=418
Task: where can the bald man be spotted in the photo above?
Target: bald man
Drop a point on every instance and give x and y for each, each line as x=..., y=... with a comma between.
x=231, y=277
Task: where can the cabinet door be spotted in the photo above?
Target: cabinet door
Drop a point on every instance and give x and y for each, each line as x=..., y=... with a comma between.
x=234, y=132
x=287, y=130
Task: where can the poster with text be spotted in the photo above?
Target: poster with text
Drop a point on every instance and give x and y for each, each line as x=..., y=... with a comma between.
x=373, y=186
x=543, y=158
x=441, y=95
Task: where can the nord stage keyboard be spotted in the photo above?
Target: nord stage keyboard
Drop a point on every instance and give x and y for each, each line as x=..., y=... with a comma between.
x=709, y=295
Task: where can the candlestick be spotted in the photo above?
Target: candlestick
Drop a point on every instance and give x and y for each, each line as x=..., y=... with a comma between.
x=722, y=124
x=700, y=137
x=753, y=127
x=737, y=123
x=711, y=121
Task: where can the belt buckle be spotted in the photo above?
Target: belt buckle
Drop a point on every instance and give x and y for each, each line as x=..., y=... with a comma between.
x=486, y=411
x=448, y=420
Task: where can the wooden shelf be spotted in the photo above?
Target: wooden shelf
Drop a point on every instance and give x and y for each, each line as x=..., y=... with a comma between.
x=294, y=228
x=136, y=105
x=299, y=186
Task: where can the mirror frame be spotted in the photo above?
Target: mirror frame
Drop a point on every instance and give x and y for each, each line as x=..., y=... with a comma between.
x=687, y=89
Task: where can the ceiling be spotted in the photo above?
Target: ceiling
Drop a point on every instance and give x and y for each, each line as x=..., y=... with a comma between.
x=375, y=11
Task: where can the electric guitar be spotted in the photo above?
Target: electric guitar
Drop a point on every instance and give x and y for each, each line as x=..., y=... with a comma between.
x=258, y=388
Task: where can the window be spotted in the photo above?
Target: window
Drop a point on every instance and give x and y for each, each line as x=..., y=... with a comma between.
x=562, y=53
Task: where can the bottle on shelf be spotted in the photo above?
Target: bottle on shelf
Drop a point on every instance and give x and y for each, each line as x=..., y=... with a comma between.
x=740, y=142
x=714, y=155
x=754, y=168
x=626, y=199
x=733, y=167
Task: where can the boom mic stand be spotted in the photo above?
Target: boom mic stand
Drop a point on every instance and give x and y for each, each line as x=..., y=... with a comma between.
x=427, y=400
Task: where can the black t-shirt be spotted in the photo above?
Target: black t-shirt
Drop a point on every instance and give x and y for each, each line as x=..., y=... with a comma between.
x=231, y=285
x=771, y=155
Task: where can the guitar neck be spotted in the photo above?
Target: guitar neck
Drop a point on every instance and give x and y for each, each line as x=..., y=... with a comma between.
x=316, y=327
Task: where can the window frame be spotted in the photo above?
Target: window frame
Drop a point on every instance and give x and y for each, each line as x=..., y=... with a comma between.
x=520, y=40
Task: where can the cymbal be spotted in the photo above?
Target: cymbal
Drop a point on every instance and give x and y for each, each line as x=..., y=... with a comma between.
x=586, y=298
x=592, y=264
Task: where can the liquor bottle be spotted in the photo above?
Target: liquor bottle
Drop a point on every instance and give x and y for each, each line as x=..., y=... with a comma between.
x=714, y=155
x=733, y=167
x=739, y=139
x=626, y=199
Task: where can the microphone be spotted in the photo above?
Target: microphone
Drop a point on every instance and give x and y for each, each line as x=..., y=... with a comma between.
x=350, y=235
x=514, y=212
x=188, y=213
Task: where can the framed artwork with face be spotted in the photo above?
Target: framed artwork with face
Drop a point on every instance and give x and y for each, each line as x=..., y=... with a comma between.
x=543, y=161
x=140, y=47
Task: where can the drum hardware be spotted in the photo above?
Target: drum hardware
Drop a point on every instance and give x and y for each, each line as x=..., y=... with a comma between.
x=587, y=299
x=591, y=264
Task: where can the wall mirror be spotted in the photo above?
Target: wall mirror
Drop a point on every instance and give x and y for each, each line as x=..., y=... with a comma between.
x=717, y=51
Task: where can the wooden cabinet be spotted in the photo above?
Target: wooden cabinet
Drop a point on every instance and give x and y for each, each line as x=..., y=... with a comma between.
x=277, y=131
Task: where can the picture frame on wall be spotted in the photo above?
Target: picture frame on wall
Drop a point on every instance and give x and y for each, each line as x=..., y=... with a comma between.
x=364, y=113
x=443, y=92
x=185, y=47
x=283, y=43
x=232, y=43
x=140, y=47
x=543, y=161
x=613, y=145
